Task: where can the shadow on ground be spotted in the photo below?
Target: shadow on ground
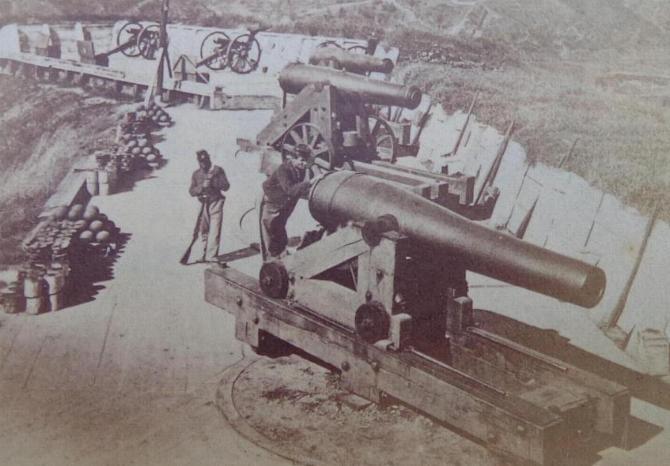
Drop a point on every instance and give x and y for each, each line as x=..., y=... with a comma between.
x=92, y=265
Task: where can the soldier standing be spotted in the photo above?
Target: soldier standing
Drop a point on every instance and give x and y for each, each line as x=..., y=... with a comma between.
x=207, y=184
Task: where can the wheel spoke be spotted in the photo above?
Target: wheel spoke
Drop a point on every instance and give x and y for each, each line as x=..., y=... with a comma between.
x=295, y=136
x=308, y=134
x=313, y=140
x=235, y=62
x=320, y=151
x=387, y=138
x=375, y=128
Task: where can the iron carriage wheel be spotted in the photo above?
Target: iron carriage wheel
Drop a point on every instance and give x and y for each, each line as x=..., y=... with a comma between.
x=129, y=32
x=215, y=45
x=273, y=279
x=310, y=135
x=358, y=49
x=148, y=41
x=383, y=138
x=244, y=54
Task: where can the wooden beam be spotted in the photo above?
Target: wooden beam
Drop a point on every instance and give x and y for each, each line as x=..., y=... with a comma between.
x=498, y=417
x=493, y=171
x=465, y=125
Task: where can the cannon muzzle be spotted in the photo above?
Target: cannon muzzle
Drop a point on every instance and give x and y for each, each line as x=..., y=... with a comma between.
x=344, y=196
x=295, y=77
x=353, y=62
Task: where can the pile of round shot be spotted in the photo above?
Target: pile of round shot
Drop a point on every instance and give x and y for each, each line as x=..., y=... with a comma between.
x=139, y=151
x=90, y=225
x=155, y=113
x=135, y=144
x=67, y=243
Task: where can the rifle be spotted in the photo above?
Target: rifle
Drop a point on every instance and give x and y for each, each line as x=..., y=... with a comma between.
x=196, y=233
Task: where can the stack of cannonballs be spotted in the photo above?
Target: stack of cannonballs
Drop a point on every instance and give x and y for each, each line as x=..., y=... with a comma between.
x=156, y=113
x=126, y=160
x=139, y=150
x=91, y=226
x=66, y=228
x=51, y=250
x=53, y=239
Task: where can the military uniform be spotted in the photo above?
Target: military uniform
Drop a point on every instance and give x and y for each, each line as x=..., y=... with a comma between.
x=213, y=200
x=281, y=192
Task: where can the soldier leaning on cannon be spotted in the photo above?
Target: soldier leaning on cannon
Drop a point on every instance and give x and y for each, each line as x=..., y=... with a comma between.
x=281, y=192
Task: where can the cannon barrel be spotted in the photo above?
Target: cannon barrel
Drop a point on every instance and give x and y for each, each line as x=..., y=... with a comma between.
x=354, y=62
x=344, y=196
x=295, y=77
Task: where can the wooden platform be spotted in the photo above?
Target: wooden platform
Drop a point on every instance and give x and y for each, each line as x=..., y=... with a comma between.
x=532, y=418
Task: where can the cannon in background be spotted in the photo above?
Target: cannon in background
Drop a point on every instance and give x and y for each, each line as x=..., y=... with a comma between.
x=331, y=114
x=353, y=62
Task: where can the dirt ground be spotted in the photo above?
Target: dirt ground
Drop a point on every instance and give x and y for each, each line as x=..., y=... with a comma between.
x=302, y=411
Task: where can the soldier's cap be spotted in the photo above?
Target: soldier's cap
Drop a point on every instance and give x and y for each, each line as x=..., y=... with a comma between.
x=202, y=155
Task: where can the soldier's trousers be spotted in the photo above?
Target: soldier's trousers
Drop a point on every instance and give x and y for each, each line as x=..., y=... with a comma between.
x=210, y=228
x=273, y=226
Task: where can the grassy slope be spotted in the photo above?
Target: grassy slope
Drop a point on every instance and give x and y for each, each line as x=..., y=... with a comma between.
x=43, y=131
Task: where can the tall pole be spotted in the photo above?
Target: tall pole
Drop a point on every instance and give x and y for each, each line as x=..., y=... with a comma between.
x=163, y=41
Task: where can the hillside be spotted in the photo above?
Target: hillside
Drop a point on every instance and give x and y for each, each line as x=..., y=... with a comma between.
x=540, y=26
x=43, y=131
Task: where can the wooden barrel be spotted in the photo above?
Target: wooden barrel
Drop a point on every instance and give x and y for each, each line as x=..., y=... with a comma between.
x=11, y=301
x=55, y=281
x=33, y=291
x=105, y=189
x=92, y=182
x=103, y=176
x=103, y=183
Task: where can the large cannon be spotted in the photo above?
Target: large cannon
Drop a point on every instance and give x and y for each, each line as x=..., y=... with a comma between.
x=336, y=199
x=380, y=293
x=330, y=113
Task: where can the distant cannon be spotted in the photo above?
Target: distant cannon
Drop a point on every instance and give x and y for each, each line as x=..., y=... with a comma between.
x=331, y=114
x=350, y=61
x=242, y=54
x=132, y=40
x=294, y=78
